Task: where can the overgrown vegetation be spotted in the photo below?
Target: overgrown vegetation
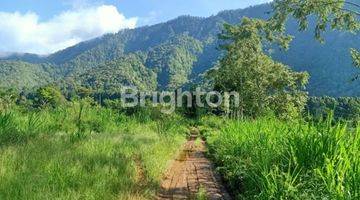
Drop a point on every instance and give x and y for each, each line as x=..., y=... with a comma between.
x=346, y=109
x=273, y=159
x=266, y=157
x=81, y=150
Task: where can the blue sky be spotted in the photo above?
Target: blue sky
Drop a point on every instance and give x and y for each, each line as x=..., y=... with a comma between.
x=45, y=26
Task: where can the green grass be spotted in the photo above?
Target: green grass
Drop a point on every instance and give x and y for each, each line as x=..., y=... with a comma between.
x=201, y=195
x=272, y=159
x=55, y=154
x=84, y=151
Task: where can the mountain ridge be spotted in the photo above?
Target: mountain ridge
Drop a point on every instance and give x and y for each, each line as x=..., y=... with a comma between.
x=178, y=63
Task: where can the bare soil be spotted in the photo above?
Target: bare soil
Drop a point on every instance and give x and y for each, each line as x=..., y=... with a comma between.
x=190, y=172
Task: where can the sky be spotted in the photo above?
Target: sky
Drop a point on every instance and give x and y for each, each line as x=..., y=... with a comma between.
x=46, y=26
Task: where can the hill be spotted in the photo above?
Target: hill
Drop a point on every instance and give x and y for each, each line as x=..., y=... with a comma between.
x=24, y=75
x=176, y=52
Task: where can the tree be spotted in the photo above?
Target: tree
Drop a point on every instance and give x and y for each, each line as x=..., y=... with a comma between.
x=356, y=60
x=340, y=15
x=263, y=84
x=48, y=96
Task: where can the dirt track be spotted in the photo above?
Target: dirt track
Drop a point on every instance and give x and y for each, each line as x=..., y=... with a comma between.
x=190, y=172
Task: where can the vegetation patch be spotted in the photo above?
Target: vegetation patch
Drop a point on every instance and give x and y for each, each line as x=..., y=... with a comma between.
x=42, y=155
x=273, y=159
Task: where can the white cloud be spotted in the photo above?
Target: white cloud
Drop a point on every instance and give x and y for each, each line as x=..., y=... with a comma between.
x=25, y=33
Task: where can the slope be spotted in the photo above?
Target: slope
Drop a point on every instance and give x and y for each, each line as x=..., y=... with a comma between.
x=179, y=50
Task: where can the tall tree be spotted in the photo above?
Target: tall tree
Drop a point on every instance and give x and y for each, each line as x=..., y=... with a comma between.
x=263, y=84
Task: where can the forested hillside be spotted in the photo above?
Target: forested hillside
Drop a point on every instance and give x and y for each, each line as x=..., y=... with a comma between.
x=171, y=54
x=24, y=75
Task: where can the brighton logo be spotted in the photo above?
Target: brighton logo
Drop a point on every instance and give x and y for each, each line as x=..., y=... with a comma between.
x=170, y=100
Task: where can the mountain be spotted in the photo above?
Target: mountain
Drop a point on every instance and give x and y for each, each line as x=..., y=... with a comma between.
x=127, y=70
x=25, y=57
x=174, y=53
x=24, y=75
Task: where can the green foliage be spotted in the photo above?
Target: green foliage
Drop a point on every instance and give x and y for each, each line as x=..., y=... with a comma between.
x=180, y=50
x=340, y=15
x=336, y=14
x=126, y=71
x=43, y=155
x=263, y=84
x=9, y=132
x=272, y=159
x=49, y=96
x=173, y=60
x=7, y=98
x=343, y=108
x=19, y=75
x=356, y=59
x=201, y=195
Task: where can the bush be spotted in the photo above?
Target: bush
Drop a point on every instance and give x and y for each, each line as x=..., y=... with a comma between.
x=49, y=96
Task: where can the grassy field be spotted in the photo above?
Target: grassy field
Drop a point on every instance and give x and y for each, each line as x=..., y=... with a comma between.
x=272, y=159
x=82, y=151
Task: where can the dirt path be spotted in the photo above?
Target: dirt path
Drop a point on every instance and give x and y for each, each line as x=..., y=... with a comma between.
x=192, y=172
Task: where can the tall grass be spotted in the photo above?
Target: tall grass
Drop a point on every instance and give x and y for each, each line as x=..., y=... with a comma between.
x=272, y=159
x=83, y=151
